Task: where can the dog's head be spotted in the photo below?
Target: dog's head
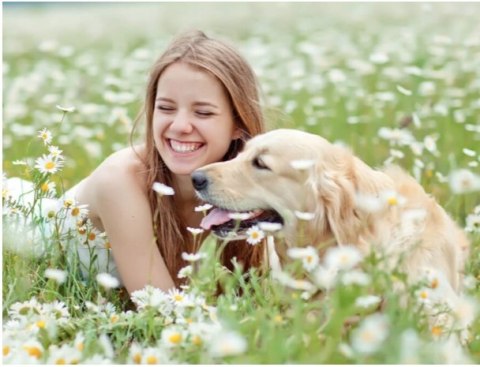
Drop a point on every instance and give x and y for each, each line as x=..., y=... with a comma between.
x=278, y=174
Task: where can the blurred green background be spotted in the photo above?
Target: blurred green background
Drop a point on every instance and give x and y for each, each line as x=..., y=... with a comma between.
x=342, y=70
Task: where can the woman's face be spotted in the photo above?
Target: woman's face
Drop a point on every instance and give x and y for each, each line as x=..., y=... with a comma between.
x=193, y=120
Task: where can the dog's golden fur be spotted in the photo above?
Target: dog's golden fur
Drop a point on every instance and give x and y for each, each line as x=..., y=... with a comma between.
x=347, y=197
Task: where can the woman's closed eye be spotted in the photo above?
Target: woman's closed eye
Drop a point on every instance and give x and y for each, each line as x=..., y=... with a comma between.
x=204, y=113
x=165, y=108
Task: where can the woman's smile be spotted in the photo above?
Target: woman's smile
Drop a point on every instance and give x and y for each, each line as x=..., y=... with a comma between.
x=184, y=147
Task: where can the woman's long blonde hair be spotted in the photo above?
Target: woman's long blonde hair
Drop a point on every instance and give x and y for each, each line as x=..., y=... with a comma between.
x=241, y=87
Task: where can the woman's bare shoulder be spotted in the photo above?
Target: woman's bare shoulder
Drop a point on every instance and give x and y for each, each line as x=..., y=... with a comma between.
x=122, y=173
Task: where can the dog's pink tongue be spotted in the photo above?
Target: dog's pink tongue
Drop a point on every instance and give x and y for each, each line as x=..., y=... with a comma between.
x=214, y=218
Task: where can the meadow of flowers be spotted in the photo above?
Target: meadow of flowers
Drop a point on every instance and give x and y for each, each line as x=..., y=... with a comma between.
x=395, y=82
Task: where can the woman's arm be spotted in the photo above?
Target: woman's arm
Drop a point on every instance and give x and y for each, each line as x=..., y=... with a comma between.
x=123, y=208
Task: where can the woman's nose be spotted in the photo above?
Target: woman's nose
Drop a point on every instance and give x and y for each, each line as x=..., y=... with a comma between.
x=181, y=123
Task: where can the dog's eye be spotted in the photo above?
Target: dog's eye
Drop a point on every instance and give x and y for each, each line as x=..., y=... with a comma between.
x=259, y=163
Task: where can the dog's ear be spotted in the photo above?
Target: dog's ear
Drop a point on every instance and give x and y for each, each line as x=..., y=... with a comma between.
x=337, y=179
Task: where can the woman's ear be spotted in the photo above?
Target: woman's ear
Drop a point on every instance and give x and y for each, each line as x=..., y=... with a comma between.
x=238, y=134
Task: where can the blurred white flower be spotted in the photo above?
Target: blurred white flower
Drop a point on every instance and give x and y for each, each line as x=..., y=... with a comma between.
x=162, y=189
x=149, y=297
x=342, y=257
x=396, y=136
x=404, y=91
x=57, y=275
x=193, y=257
x=269, y=226
x=304, y=215
x=185, y=272
x=195, y=231
x=227, y=343
x=203, y=208
x=379, y=58
x=308, y=255
x=107, y=281
x=66, y=109
x=367, y=301
x=355, y=277
x=464, y=181
x=370, y=335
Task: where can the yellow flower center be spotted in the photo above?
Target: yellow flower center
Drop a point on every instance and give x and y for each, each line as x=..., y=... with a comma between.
x=437, y=330
x=309, y=259
x=196, y=340
x=68, y=203
x=33, y=351
x=50, y=165
x=108, y=245
x=44, y=187
x=175, y=338
x=392, y=201
x=92, y=236
x=434, y=283
x=178, y=297
x=152, y=360
x=82, y=230
x=423, y=295
x=41, y=324
x=75, y=212
x=137, y=358
x=6, y=350
x=278, y=319
x=80, y=346
x=114, y=318
x=60, y=361
x=254, y=235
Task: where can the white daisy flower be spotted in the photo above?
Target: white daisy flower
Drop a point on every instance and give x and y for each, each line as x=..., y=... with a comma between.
x=391, y=198
x=173, y=336
x=45, y=135
x=149, y=297
x=227, y=343
x=255, y=235
x=304, y=215
x=469, y=152
x=179, y=298
x=55, y=151
x=162, y=189
x=370, y=335
x=107, y=281
x=48, y=164
x=57, y=275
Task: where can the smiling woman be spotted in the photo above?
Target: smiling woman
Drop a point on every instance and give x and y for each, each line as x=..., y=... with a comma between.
x=202, y=103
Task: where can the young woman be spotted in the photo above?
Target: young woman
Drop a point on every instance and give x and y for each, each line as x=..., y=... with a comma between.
x=202, y=102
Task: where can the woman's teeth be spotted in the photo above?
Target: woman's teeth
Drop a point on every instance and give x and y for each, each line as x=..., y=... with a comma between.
x=181, y=147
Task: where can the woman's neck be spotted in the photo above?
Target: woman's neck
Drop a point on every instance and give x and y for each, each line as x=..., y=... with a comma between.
x=184, y=191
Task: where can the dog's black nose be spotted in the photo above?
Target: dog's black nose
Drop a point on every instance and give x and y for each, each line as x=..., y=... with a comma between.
x=199, y=180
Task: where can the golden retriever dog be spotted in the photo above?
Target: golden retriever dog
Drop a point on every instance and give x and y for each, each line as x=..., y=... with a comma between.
x=285, y=172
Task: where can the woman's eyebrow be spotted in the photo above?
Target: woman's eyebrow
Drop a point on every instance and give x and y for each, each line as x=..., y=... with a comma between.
x=204, y=103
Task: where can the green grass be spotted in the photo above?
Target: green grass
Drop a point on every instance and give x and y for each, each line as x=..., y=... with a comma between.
x=321, y=70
